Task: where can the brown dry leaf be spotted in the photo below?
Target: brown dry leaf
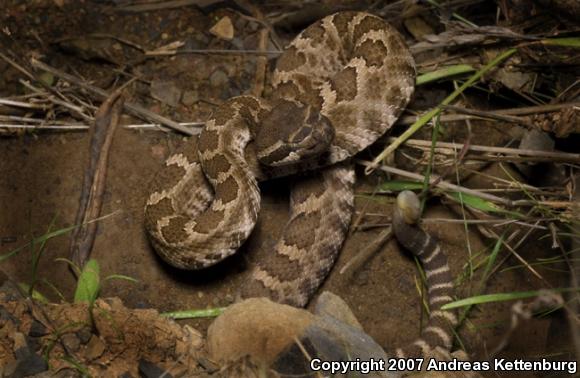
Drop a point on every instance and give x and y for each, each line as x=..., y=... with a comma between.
x=223, y=29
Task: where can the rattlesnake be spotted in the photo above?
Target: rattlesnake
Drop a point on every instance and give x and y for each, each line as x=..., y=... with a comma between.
x=339, y=86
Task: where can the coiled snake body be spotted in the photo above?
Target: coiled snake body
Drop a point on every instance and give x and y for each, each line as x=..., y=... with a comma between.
x=339, y=86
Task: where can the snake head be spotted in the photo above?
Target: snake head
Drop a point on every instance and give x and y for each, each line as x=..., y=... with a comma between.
x=291, y=133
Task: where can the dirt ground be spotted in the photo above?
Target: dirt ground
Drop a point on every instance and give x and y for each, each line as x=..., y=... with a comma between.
x=41, y=176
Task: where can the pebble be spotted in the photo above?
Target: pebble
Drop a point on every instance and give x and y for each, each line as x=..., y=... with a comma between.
x=19, y=341
x=166, y=92
x=189, y=98
x=218, y=78
x=28, y=363
x=95, y=348
x=223, y=29
x=71, y=341
x=150, y=370
x=84, y=335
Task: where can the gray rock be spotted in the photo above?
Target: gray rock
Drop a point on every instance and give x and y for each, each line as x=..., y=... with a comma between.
x=37, y=329
x=28, y=363
x=84, y=335
x=189, y=98
x=218, y=78
x=71, y=342
x=166, y=92
x=331, y=305
x=95, y=348
x=335, y=335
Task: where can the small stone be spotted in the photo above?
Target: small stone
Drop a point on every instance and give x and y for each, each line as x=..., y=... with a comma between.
x=95, y=348
x=19, y=341
x=250, y=67
x=537, y=140
x=166, y=92
x=192, y=44
x=150, y=370
x=84, y=335
x=253, y=26
x=218, y=78
x=71, y=342
x=238, y=43
x=223, y=29
x=189, y=98
x=329, y=304
x=28, y=363
x=203, y=39
x=37, y=329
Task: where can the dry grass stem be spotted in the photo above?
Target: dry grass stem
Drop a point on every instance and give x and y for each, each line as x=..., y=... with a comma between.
x=135, y=109
x=531, y=155
x=441, y=184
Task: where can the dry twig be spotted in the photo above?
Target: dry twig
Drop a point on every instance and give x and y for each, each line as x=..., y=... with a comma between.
x=91, y=201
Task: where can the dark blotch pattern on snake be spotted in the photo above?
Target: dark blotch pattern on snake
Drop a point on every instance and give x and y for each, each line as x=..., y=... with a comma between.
x=339, y=86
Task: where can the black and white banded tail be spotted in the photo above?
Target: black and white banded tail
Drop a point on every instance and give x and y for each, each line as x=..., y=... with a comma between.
x=437, y=336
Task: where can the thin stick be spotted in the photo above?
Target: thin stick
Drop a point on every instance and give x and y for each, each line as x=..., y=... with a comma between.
x=64, y=102
x=409, y=120
x=440, y=184
x=547, y=155
x=195, y=126
x=137, y=110
x=212, y=51
x=20, y=104
x=491, y=115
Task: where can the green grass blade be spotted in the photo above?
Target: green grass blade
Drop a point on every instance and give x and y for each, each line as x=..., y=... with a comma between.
x=566, y=42
x=88, y=285
x=43, y=238
x=35, y=294
x=191, y=314
x=74, y=266
x=499, y=297
x=78, y=366
x=443, y=73
x=40, y=239
x=399, y=186
x=490, y=261
x=481, y=204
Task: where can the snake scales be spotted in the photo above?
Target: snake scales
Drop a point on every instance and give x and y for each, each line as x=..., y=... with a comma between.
x=339, y=86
